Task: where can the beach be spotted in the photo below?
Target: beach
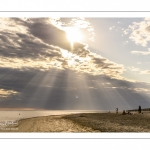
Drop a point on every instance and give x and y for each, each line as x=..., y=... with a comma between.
x=83, y=122
x=54, y=123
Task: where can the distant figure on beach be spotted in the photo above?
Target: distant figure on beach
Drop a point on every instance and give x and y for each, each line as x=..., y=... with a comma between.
x=116, y=110
x=139, y=110
x=129, y=113
x=123, y=113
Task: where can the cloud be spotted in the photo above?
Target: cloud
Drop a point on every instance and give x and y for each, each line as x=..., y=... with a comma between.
x=140, y=90
x=20, y=49
x=139, y=70
x=104, y=66
x=50, y=34
x=84, y=26
x=145, y=72
x=41, y=43
x=125, y=31
x=140, y=32
x=6, y=93
x=58, y=89
x=111, y=27
x=133, y=69
x=141, y=52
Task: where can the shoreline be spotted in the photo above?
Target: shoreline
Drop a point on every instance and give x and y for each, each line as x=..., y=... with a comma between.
x=17, y=115
x=83, y=122
x=52, y=123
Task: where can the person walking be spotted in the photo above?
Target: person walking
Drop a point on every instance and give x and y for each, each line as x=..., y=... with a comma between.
x=139, y=110
x=116, y=110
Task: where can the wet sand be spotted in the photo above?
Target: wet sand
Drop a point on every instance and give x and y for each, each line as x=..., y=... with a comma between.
x=85, y=122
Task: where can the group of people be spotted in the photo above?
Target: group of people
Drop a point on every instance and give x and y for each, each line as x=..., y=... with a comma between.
x=129, y=113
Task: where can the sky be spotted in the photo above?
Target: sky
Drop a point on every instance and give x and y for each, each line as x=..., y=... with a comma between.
x=75, y=63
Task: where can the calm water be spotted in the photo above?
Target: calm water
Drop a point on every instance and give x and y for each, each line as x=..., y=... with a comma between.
x=14, y=115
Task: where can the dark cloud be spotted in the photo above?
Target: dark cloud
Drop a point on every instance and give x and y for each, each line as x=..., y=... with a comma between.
x=55, y=36
x=28, y=43
x=50, y=34
x=66, y=89
x=35, y=39
x=102, y=63
x=27, y=47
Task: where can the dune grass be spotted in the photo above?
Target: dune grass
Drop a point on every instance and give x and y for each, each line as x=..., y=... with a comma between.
x=111, y=122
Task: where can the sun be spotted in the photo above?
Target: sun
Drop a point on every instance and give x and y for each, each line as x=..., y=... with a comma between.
x=73, y=34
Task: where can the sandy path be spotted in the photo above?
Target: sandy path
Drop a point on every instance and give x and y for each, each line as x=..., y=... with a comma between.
x=48, y=124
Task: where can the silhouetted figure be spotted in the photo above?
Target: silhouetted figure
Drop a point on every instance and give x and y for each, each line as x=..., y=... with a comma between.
x=123, y=113
x=139, y=110
x=116, y=110
x=129, y=113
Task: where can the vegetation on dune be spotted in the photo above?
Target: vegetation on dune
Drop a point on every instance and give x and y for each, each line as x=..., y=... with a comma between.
x=110, y=122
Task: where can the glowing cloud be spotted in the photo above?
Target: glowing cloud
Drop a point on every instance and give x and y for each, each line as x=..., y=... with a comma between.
x=140, y=32
x=141, y=52
x=42, y=43
x=7, y=93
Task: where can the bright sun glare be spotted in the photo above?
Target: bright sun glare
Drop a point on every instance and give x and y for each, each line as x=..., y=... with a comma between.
x=73, y=34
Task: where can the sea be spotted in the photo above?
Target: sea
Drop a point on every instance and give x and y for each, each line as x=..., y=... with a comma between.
x=22, y=114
